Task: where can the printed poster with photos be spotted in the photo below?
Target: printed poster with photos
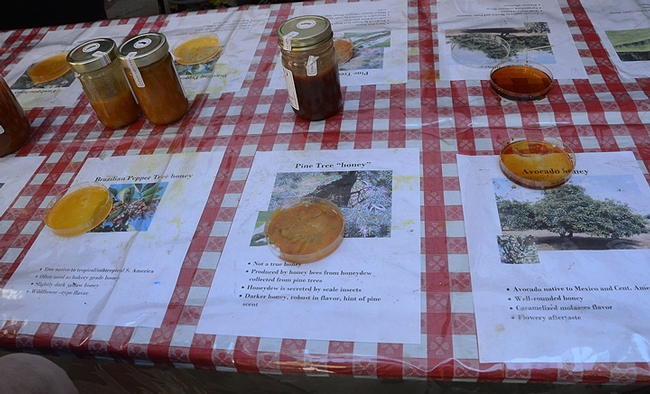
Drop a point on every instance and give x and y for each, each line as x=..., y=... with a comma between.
x=43, y=77
x=372, y=39
x=367, y=290
x=212, y=52
x=566, y=266
x=124, y=271
x=624, y=29
x=16, y=172
x=476, y=36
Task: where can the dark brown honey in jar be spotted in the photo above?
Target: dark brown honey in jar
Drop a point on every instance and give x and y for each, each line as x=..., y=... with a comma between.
x=149, y=67
x=104, y=83
x=14, y=124
x=310, y=66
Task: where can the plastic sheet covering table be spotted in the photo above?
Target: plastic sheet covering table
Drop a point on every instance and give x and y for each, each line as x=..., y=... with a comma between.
x=441, y=118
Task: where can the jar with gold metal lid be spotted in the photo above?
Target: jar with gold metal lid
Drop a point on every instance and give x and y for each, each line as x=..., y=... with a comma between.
x=103, y=81
x=149, y=68
x=14, y=124
x=310, y=66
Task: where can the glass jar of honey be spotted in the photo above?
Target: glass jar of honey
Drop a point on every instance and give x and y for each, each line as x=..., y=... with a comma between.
x=310, y=66
x=149, y=67
x=104, y=83
x=14, y=124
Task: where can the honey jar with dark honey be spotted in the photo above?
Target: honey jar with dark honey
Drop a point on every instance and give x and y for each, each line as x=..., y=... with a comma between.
x=310, y=66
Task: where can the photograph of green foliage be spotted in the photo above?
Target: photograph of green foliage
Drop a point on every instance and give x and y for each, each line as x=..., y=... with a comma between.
x=529, y=42
x=587, y=213
x=517, y=249
x=368, y=50
x=631, y=45
x=364, y=197
x=134, y=206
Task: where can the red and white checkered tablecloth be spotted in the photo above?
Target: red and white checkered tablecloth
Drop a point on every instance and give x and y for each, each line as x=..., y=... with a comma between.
x=601, y=113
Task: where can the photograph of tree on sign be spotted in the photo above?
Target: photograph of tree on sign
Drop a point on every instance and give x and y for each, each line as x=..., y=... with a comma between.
x=529, y=42
x=584, y=214
x=631, y=45
x=364, y=197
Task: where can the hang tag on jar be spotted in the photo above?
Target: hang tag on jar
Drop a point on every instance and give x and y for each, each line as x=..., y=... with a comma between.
x=312, y=66
x=137, y=77
x=291, y=89
x=286, y=40
x=103, y=57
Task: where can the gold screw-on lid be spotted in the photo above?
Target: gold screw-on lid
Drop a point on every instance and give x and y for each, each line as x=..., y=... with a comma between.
x=145, y=49
x=92, y=55
x=304, y=32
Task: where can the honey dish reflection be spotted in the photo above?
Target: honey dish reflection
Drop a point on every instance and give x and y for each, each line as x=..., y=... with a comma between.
x=197, y=50
x=305, y=230
x=537, y=164
x=48, y=69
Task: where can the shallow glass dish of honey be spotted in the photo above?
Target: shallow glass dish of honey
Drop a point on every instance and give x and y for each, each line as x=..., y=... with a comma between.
x=79, y=209
x=537, y=164
x=521, y=81
x=304, y=230
x=197, y=49
x=49, y=68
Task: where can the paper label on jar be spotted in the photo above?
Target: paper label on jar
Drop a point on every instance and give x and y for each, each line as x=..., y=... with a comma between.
x=103, y=58
x=286, y=40
x=291, y=88
x=135, y=72
x=312, y=66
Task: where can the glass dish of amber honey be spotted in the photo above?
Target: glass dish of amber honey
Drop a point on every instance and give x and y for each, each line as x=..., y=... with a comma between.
x=521, y=81
x=197, y=49
x=48, y=68
x=537, y=164
x=304, y=230
x=78, y=209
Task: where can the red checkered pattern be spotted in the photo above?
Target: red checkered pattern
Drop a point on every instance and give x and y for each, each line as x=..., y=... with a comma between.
x=601, y=113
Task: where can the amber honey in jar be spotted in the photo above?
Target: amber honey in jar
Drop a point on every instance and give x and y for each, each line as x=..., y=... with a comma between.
x=14, y=124
x=149, y=67
x=310, y=66
x=103, y=81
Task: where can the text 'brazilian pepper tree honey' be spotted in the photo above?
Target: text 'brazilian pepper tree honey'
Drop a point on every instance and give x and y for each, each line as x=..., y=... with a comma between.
x=310, y=66
x=149, y=67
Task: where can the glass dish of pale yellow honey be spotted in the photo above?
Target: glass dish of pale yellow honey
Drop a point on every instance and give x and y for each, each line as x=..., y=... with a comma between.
x=305, y=230
x=537, y=164
x=79, y=209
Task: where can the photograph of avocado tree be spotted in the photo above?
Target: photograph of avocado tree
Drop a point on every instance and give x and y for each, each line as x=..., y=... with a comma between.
x=586, y=213
x=134, y=206
x=631, y=45
x=364, y=197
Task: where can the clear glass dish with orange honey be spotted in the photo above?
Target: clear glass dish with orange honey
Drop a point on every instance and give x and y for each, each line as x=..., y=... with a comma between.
x=537, y=164
x=48, y=68
x=78, y=209
x=197, y=49
x=305, y=230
